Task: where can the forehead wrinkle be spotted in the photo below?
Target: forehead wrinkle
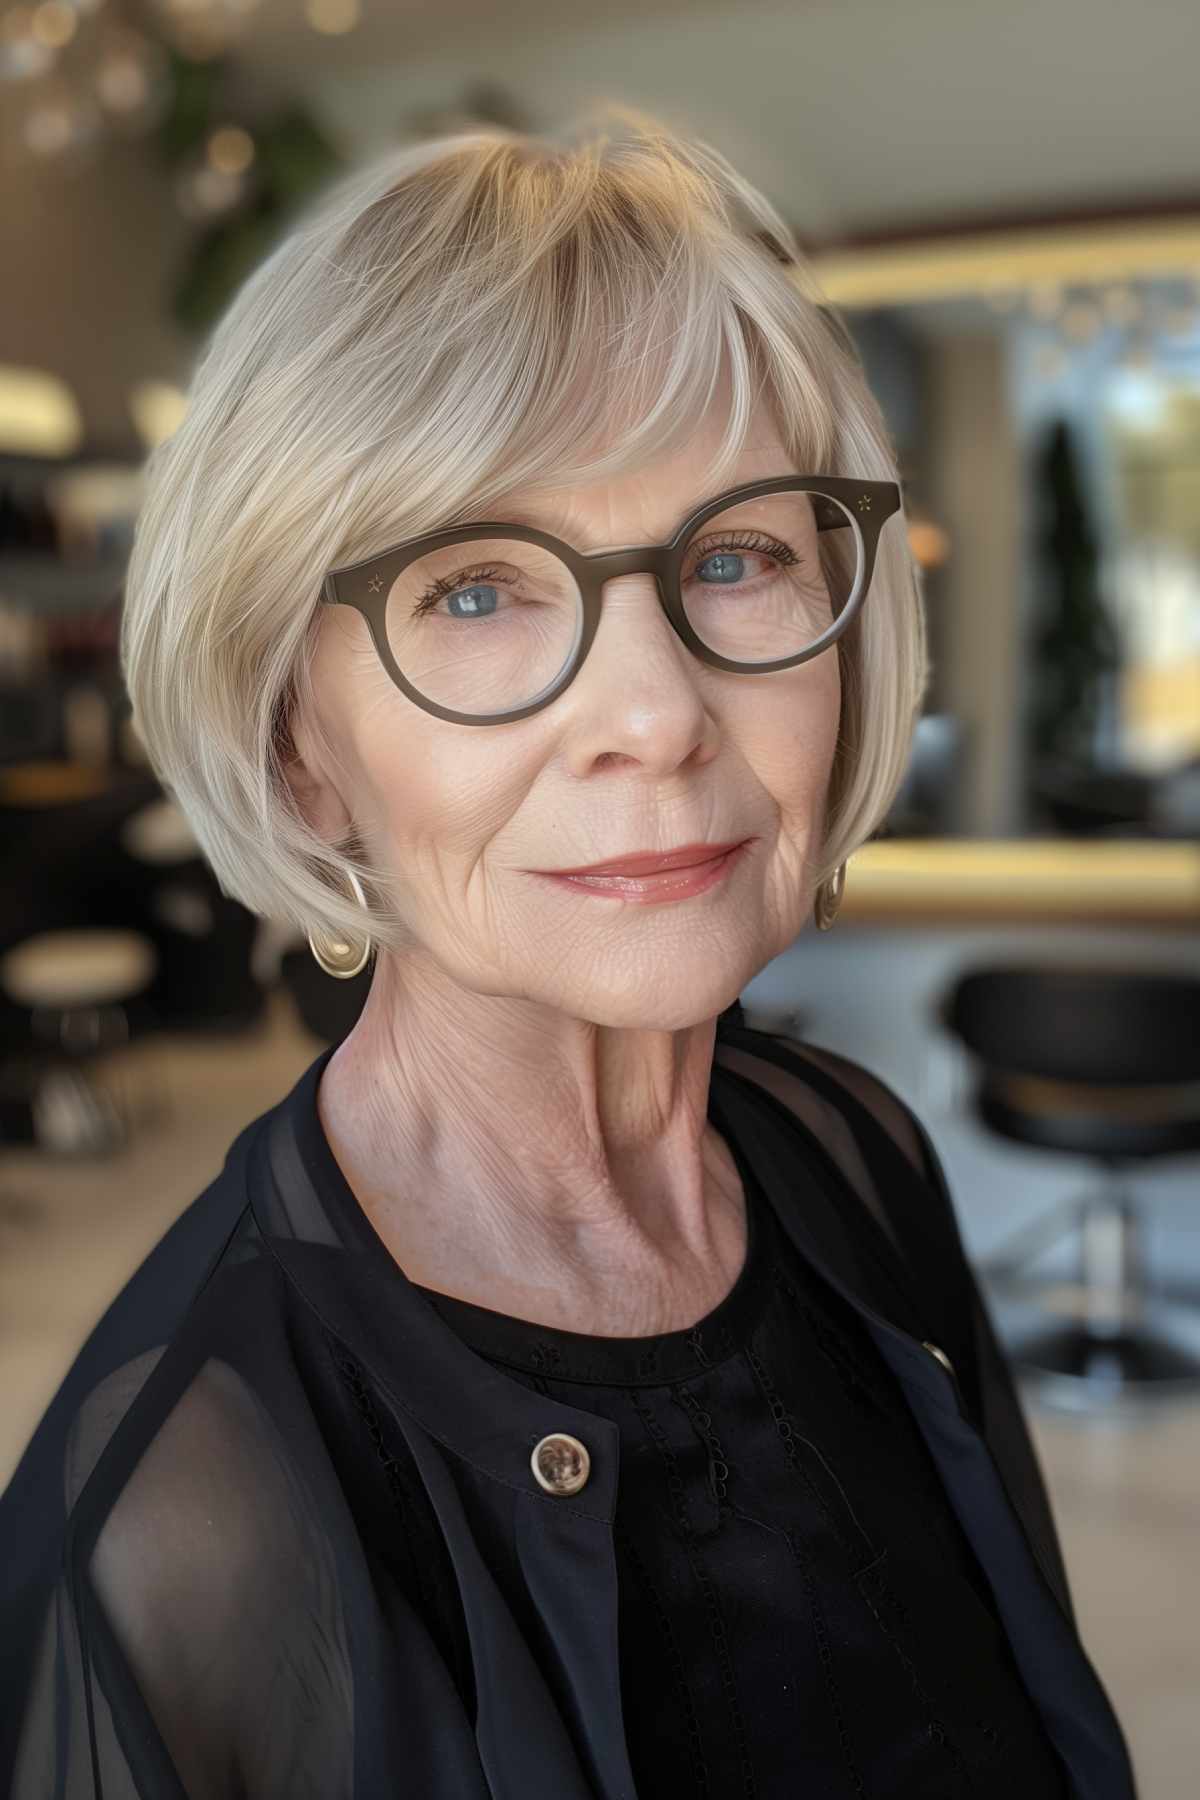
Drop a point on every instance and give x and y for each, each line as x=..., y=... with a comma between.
x=572, y=531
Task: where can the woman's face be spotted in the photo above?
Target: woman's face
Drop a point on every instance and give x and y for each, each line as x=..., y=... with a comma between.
x=648, y=749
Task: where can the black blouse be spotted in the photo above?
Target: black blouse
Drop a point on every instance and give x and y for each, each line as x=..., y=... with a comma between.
x=279, y=1537
x=799, y=1609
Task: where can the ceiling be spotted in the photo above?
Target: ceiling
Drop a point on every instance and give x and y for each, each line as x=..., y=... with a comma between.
x=855, y=116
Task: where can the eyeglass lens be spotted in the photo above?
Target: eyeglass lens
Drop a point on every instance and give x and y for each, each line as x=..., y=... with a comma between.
x=487, y=625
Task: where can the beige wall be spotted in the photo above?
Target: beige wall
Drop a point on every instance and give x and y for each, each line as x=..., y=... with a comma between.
x=88, y=262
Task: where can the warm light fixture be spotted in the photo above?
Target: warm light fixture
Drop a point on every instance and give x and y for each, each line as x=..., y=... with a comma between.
x=230, y=150
x=928, y=542
x=38, y=414
x=156, y=408
x=333, y=17
x=53, y=24
x=999, y=261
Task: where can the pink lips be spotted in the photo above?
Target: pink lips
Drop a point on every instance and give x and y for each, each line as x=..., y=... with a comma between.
x=650, y=862
x=680, y=883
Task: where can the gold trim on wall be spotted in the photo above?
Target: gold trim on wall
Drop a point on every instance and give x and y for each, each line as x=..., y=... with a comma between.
x=1023, y=880
x=996, y=262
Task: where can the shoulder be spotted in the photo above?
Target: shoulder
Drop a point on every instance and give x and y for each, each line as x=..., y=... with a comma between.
x=199, y=1560
x=881, y=1100
x=97, y=1459
x=858, y=1119
x=214, y=1515
x=829, y=1091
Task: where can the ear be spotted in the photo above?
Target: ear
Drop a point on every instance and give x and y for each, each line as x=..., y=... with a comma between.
x=318, y=799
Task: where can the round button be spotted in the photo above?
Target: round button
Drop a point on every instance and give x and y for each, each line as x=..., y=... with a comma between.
x=934, y=1350
x=561, y=1463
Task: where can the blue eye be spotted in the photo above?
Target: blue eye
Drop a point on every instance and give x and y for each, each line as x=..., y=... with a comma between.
x=729, y=567
x=482, y=599
x=726, y=561
x=476, y=583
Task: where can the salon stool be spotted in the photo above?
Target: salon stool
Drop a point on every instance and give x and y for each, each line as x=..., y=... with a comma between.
x=1102, y=1063
x=78, y=988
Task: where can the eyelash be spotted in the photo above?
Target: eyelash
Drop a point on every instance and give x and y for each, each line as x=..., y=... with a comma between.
x=448, y=584
x=741, y=540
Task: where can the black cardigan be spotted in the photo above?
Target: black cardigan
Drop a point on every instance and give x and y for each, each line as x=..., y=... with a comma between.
x=178, y=1529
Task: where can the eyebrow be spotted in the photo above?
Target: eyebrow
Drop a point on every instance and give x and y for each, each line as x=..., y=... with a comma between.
x=563, y=528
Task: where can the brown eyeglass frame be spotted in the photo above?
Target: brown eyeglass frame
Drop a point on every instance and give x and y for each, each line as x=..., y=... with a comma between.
x=365, y=585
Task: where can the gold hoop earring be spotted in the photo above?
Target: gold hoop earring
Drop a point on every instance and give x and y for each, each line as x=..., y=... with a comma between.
x=342, y=957
x=829, y=898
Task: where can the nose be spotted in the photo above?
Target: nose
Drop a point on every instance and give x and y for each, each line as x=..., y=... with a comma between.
x=636, y=641
x=633, y=603
x=634, y=581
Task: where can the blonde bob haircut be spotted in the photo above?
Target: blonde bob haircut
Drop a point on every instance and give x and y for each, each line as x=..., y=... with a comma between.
x=458, y=319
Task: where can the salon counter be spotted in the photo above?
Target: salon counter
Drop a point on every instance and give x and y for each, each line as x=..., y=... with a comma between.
x=1086, y=881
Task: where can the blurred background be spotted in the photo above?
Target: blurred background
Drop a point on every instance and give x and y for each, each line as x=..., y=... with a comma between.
x=1003, y=205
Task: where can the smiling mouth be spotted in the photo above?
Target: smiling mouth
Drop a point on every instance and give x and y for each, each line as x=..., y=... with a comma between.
x=651, y=862
x=682, y=883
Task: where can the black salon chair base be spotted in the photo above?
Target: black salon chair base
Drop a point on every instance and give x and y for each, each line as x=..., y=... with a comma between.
x=1109, y=1354
x=1104, y=1365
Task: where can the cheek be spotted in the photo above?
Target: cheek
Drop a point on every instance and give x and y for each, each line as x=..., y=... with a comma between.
x=425, y=799
x=431, y=805
x=795, y=732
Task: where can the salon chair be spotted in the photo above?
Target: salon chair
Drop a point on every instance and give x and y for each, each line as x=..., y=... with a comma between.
x=1101, y=1063
x=1093, y=802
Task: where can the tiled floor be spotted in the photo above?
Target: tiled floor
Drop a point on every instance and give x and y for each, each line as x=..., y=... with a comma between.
x=1126, y=1496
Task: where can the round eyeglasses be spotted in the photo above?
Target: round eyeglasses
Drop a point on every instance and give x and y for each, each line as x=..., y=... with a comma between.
x=485, y=624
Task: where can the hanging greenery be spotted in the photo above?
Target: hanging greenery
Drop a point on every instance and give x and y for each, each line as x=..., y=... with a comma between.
x=287, y=159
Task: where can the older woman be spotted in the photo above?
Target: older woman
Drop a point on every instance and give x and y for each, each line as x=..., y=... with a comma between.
x=564, y=1390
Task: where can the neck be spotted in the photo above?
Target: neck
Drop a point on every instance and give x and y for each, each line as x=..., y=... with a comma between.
x=539, y=1165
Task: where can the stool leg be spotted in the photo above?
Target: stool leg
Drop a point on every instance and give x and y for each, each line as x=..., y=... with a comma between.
x=140, y=1091
x=1108, y=1354
x=1004, y=1267
x=1111, y=1268
x=72, y=1117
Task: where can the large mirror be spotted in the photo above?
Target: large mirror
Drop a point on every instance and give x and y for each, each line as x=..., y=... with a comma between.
x=1048, y=420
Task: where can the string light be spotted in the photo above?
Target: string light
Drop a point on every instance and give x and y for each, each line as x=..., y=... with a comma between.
x=131, y=79
x=230, y=150
x=333, y=17
x=78, y=79
x=23, y=55
x=54, y=24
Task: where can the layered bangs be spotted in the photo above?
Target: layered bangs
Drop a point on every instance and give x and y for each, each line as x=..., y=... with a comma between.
x=563, y=320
